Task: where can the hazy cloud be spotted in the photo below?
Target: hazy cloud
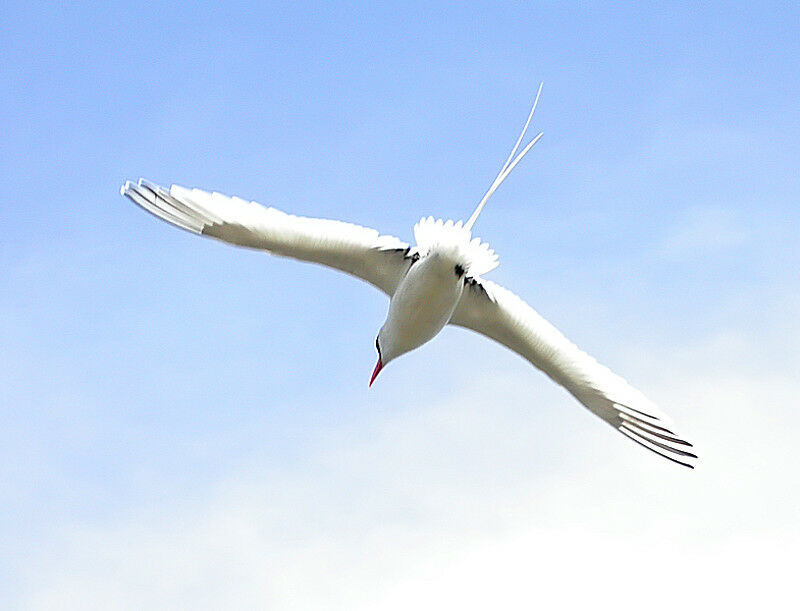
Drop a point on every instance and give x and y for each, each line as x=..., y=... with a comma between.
x=438, y=507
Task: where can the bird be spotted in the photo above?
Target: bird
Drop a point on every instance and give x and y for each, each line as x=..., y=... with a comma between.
x=439, y=281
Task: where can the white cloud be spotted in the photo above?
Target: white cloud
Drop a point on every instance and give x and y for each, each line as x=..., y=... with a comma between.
x=457, y=505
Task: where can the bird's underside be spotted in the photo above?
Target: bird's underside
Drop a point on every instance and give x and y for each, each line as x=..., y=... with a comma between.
x=384, y=261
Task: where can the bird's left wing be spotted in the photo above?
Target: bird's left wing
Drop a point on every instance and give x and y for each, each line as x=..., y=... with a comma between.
x=499, y=314
x=381, y=260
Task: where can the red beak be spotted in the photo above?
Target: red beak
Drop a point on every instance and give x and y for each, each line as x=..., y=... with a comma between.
x=375, y=373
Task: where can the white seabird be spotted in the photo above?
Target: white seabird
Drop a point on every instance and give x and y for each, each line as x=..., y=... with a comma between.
x=437, y=282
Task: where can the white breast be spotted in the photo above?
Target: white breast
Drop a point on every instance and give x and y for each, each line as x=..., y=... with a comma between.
x=421, y=306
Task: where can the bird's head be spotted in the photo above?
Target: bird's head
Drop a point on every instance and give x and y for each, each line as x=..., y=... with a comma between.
x=379, y=364
x=388, y=350
x=385, y=354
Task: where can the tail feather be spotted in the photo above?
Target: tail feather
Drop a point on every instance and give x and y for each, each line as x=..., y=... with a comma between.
x=509, y=165
x=455, y=241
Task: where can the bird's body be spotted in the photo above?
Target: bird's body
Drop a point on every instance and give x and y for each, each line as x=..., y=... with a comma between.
x=432, y=284
x=421, y=306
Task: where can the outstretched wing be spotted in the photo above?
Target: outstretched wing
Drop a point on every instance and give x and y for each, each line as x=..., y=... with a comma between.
x=499, y=314
x=381, y=260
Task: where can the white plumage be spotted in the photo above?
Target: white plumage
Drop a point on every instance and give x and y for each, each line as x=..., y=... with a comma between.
x=356, y=250
x=435, y=283
x=454, y=240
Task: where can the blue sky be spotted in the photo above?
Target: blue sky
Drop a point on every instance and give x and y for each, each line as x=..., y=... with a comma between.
x=182, y=422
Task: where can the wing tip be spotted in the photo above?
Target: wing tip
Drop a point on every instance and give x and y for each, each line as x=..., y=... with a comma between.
x=157, y=201
x=676, y=455
x=130, y=185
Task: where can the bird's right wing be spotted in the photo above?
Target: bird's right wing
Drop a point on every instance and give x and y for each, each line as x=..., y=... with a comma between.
x=499, y=314
x=381, y=260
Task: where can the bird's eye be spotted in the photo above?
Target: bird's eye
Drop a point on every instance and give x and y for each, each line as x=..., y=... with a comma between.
x=377, y=346
x=459, y=270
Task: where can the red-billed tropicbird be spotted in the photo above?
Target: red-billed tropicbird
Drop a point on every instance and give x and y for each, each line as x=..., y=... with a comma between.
x=437, y=282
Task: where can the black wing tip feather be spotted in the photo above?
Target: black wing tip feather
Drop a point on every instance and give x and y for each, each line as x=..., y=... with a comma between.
x=652, y=429
x=674, y=454
x=658, y=442
x=662, y=454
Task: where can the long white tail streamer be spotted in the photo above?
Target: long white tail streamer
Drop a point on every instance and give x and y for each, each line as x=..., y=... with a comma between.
x=509, y=165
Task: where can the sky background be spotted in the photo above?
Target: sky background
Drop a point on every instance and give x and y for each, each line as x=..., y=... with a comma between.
x=186, y=424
